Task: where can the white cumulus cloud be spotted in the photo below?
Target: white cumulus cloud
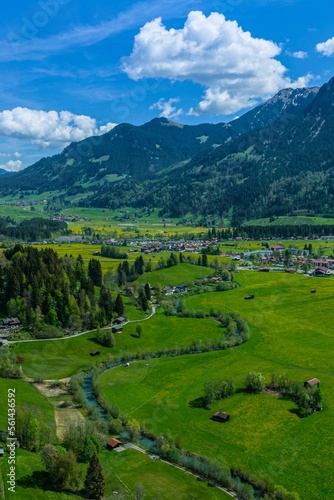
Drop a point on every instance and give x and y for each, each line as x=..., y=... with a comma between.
x=9, y=155
x=166, y=107
x=299, y=54
x=49, y=128
x=12, y=165
x=326, y=48
x=235, y=68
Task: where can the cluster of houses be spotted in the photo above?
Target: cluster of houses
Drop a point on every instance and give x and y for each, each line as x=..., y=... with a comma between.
x=9, y=323
x=274, y=256
x=189, y=246
x=169, y=290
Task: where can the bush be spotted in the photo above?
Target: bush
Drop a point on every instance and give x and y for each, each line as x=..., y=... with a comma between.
x=45, y=331
x=254, y=382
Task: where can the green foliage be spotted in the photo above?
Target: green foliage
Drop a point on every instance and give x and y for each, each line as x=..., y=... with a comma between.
x=119, y=306
x=139, y=331
x=254, y=382
x=9, y=368
x=62, y=468
x=35, y=229
x=140, y=492
x=105, y=337
x=142, y=299
x=81, y=438
x=95, y=482
x=31, y=432
x=95, y=271
x=217, y=389
x=133, y=428
x=112, y=252
x=47, y=331
x=50, y=293
x=115, y=426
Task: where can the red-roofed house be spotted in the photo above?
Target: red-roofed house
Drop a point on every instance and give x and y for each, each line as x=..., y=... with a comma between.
x=113, y=443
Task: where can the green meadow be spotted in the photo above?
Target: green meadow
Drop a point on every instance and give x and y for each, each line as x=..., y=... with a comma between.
x=26, y=395
x=291, y=332
x=181, y=274
x=62, y=358
x=31, y=481
x=160, y=480
x=122, y=472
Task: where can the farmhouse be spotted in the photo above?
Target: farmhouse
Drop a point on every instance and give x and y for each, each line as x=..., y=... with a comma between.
x=94, y=353
x=321, y=271
x=10, y=323
x=277, y=248
x=312, y=382
x=180, y=289
x=113, y=443
x=120, y=320
x=117, y=329
x=220, y=416
x=264, y=269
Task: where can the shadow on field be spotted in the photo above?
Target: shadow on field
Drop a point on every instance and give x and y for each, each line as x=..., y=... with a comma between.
x=197, y=403
x=295, y=411
x=38, y=479
x=134, y=335
x=93, y=340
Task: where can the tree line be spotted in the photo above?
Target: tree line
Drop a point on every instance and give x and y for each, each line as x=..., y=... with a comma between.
x=50, y=293
x=35, y=229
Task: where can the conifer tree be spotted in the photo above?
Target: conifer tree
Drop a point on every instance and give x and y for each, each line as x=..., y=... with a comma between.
x=94, y=482
x=119, y=306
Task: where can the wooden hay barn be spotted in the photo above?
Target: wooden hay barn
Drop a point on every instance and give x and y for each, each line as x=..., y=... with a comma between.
x=220, y=416
x=312, y=382
x=251, y=296
x=94, y=353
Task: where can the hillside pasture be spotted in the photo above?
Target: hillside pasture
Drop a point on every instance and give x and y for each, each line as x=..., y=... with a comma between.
x=180, y=274
x=55, y=359
x=26, y=395
x=160, y=480
x=291, y=333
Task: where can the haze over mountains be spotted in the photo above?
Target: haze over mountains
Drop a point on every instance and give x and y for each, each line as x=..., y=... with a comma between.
x=276, y=159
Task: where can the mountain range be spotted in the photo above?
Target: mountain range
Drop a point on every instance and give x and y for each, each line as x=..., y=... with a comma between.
x=276, y=159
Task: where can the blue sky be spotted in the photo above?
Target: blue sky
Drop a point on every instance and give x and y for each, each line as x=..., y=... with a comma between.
x=75, y=68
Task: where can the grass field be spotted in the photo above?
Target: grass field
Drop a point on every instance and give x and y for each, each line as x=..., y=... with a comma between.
x=291, y=333
x=160, y=480
x=29, y=476
x=122, y=473
x=62, y=358
x=26, y=395
x=181, y=274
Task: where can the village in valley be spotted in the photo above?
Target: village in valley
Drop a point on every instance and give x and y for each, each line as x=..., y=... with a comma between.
x=166, y=250
x=162, y=304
